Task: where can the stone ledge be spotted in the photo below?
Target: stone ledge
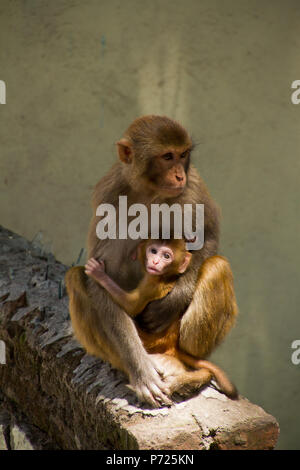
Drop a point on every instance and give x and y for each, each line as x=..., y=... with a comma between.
x=78, y=400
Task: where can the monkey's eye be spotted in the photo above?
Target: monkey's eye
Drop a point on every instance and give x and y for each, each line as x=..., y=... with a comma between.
x=154, y=251
x=184, y=154
x=166, y=255
x=168, y=156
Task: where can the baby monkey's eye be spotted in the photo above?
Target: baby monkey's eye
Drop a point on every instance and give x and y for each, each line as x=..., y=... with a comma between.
x=154, y=251
x=166, y=255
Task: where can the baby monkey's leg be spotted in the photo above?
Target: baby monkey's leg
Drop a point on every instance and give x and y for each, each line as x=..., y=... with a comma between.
x=178, y=378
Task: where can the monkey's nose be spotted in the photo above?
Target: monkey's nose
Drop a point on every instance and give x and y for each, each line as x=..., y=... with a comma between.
x=179, y=178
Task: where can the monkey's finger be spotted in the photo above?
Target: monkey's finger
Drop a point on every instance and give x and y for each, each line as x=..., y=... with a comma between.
x=149, y=398
x=160, y=396
x=144, y=396
x=165, y=401
x=92, y=262
x=165, y=390
x=160, y=374
x=164, y=394
x=89, y=263
x=131, y=387
x=88, y=270
x=163, y=386
x=158, y=366
x=91, y=267
x=160, y=371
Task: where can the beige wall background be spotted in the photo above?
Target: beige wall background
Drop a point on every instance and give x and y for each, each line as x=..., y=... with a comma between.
x=77, y=73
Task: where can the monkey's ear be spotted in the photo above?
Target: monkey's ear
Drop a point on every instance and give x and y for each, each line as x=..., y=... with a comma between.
x=125, y=150
x=185, y=263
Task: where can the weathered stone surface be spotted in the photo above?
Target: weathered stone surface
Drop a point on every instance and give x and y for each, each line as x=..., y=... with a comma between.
x=17, y=432
x=19, y=440
x=78, y=400
x=3, y=445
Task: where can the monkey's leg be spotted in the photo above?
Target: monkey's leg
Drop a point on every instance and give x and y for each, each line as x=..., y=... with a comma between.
x=213, y=310
x=189, y=382
x=106, y=331
x=83, y=318
x=178, y=378
x=221, y=378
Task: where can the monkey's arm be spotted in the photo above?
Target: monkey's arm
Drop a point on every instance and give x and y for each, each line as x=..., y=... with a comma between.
x=135, y=301
x=132, y=302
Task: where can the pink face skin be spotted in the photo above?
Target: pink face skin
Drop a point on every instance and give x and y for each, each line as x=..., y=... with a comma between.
x=158, y=257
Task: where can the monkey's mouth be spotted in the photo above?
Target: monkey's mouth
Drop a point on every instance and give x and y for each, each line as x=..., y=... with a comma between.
x=173, y=189
x=152, y=270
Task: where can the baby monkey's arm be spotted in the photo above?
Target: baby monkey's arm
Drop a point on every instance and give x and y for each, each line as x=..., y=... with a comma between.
x=132, y=302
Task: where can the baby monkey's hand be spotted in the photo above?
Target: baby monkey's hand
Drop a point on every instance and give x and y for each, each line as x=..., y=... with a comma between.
x=95, y=269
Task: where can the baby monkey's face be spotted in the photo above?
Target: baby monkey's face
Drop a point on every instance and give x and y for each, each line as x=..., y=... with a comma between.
x=158, y=258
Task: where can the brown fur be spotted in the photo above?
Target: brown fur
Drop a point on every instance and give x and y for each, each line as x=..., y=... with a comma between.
x=200, y=309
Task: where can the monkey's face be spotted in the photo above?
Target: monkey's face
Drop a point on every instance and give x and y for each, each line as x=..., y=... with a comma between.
x=155, y=153
x=158, y=259
x=167, y=172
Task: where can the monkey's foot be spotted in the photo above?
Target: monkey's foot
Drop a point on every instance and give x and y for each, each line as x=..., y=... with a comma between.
x=150, y=388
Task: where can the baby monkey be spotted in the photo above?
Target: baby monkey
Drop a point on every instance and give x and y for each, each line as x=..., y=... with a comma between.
x=163, y=261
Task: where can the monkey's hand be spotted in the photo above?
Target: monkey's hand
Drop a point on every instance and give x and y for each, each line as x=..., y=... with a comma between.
x=160, y=314
x=149, y=386
x=95, y=269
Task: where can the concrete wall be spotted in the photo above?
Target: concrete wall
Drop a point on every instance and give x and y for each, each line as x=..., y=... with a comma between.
x=77, y=73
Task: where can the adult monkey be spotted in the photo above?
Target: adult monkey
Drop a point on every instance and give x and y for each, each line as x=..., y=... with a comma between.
x=154, y=167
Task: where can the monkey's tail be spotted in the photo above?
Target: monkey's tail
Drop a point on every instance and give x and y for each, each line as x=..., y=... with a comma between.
x=222, y=380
